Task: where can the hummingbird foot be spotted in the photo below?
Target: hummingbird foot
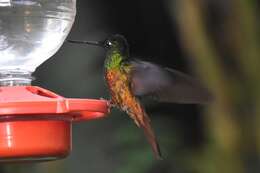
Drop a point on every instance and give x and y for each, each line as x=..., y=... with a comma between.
x=101, y=98
x=110, y=104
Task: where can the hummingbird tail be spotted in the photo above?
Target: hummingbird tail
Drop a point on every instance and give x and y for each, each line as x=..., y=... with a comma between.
x=148, y=131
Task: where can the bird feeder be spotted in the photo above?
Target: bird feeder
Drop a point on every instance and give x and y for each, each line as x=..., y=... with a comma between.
x=35, y=123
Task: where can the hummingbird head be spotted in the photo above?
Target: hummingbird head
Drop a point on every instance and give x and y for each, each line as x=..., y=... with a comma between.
x=114, y=43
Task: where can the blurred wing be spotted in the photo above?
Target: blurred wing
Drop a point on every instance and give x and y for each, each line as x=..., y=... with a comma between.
x=166, y=85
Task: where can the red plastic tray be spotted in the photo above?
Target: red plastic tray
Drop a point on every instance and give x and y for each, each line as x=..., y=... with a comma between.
x=35, y=124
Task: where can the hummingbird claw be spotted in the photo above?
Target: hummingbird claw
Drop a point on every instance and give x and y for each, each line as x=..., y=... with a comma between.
x=110, y=103
x=101, y=98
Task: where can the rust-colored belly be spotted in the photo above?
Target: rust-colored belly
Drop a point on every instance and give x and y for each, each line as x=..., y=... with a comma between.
x=121, y=95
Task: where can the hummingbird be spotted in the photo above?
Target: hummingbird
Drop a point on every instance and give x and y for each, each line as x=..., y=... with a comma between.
x=130, y=79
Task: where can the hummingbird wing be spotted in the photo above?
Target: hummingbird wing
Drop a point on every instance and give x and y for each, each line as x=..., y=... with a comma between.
x=166, y=85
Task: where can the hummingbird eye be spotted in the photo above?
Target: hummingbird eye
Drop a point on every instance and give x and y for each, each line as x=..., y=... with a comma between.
x=108, y=44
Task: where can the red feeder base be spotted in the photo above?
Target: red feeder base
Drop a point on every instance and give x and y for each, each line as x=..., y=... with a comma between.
x=33, y=140
x=35, y=124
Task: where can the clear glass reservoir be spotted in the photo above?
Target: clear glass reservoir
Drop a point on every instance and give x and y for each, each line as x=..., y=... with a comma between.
x=31, y=31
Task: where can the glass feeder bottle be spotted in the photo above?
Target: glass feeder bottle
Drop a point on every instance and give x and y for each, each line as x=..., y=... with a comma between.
x=31, y=31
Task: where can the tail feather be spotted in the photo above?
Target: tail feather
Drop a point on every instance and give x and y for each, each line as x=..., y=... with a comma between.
x=148, y=131
x=135, y=110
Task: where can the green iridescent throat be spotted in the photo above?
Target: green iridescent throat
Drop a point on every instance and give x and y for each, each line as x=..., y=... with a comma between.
x=113, y=59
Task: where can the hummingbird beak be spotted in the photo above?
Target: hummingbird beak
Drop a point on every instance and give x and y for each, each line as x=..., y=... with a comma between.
x=95, y=43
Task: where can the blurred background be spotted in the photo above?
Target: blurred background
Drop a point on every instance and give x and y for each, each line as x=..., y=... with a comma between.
x=217, y=41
